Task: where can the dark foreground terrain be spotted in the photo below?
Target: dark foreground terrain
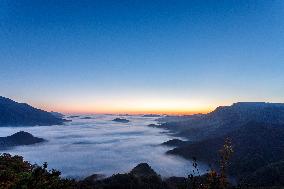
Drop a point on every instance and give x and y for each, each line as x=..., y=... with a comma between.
x=256, y=131
x=17, y=173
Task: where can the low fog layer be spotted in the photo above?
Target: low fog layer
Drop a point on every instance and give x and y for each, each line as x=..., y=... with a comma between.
x=99, y=145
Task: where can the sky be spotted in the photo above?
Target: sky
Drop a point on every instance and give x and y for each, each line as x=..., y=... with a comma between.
x=141, y=56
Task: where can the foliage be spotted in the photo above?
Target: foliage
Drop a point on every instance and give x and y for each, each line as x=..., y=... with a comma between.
x=214, y=179
x=17, y=173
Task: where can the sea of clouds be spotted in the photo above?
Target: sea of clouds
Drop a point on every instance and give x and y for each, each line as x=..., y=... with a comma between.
x=98, y=145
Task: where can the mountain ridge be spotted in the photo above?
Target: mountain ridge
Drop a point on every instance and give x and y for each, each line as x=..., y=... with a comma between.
x=224, y=119
x=13, y=113
x=256, y=130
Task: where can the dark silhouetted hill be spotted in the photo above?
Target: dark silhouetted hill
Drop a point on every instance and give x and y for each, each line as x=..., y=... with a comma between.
x=140, y=177
x=20, y=114
x=255, y=145
x=143, y=170
x=224, y=119
x=121, y=120
x=256, y=130
x=19, y=138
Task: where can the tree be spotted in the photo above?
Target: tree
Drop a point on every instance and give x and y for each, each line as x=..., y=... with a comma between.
x=213, y=179
x=17, y=173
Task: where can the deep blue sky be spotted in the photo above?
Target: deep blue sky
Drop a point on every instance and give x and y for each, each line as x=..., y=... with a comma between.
x=104, y=56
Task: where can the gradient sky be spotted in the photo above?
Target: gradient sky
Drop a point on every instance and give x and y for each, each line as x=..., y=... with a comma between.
x=141, y=56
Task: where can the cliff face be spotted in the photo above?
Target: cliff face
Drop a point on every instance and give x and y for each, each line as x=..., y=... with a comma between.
x=255, y=129
x=258, y=149
x=250, y=111
x=225, y=119
x=256, y=143
x=20, y=114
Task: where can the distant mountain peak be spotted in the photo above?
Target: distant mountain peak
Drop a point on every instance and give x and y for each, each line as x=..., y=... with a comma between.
x=19, y=138
x=22, y=134
x=13, y=113
x=143, y=169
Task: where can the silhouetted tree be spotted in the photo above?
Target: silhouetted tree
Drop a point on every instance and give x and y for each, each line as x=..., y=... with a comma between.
x=213, y=179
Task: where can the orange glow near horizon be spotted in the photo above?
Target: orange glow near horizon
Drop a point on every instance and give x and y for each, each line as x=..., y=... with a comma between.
x=170, y=112
x=126, y=111
x=154, y=106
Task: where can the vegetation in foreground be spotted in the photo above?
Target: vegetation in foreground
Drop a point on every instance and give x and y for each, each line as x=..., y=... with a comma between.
x=16, y=173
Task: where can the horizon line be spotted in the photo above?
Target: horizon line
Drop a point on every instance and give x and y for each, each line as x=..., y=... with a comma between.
x=139, y=112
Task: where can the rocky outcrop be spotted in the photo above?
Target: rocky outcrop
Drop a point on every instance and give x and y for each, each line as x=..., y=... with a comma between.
x=121, y=120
